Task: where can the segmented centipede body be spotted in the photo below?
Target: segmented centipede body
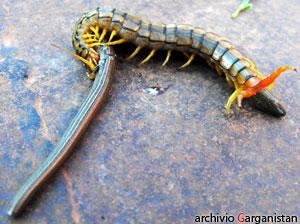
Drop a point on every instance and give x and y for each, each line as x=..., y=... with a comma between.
x=240, y=72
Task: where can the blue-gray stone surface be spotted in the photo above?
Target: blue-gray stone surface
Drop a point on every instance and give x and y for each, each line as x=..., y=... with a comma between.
x=144, y=158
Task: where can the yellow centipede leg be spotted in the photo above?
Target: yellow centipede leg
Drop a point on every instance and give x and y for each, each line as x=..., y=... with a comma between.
x=96, y=41
x=229, y=81
x=148, y=57
x=92, y=50
x=94, y=45
x=191, y=58
x=167, y=58
x=90, y=40
x=88, y=36
x=120, y=41
x=186, y=54
x=113, y=33
x=102, y=35
x=136, y=51
x=235, y=95
x=95, y=30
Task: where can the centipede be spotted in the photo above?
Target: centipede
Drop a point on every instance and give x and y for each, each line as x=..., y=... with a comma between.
x=110, y=26
x=93, y=38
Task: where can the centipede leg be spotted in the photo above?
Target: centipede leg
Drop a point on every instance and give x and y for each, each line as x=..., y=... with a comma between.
x=94, y=45
x=94, y=40
x=88, y=35
x=191, y=58
x=113, y=33
x=120, y=41
x=95, y=31
x=148, y=57
x=90, y=40
x=210, y=64
x=136, y=51
x=186, y=54
x=167, y=58
x=93, y=51
x=101, y=38
x=228, y=80
x=219, y=70
x=235, y=95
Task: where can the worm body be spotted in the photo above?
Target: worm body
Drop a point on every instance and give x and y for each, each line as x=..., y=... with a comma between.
x=77, y=127
x=220, y=54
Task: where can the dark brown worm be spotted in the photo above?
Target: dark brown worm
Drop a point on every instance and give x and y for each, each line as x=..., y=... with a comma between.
x=77, y=127
x=240, y=72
